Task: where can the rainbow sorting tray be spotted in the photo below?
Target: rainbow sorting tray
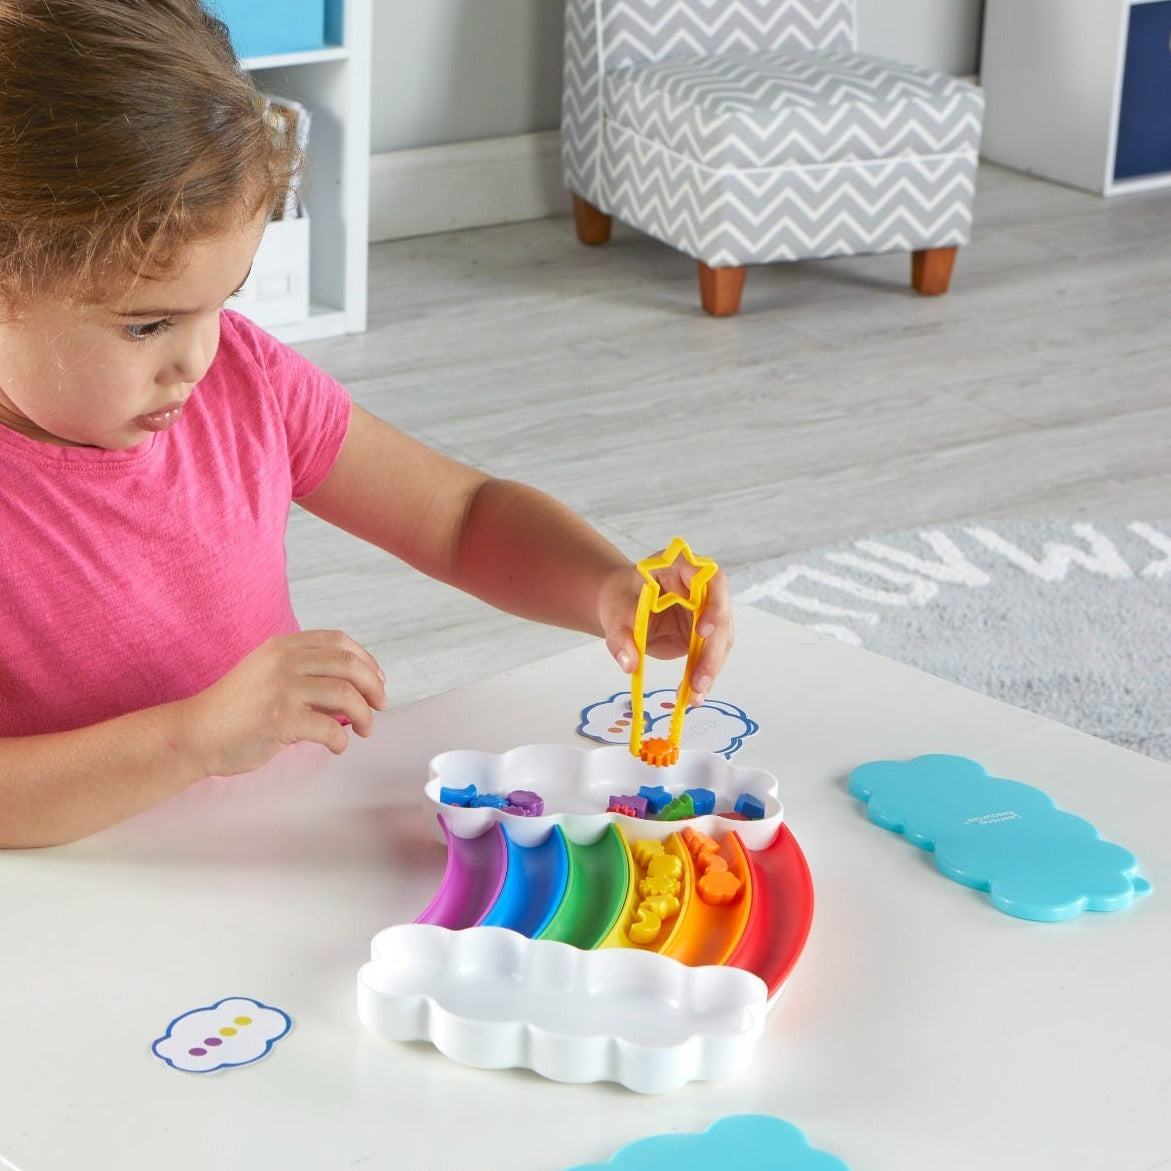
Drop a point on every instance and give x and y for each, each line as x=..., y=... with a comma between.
x=693, y=925
x=587, y=894
x=591, y=945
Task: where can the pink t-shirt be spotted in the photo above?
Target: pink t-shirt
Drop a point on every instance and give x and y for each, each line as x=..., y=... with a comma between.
x=132, y=578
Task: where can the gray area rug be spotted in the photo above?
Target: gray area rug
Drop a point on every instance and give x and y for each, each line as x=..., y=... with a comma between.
x=1070, y=619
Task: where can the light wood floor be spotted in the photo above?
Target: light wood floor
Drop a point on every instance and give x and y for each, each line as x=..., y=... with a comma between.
x=839, y=403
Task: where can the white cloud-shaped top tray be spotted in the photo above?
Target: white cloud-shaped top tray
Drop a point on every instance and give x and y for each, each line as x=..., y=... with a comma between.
x=491, y=998
x=576, y=785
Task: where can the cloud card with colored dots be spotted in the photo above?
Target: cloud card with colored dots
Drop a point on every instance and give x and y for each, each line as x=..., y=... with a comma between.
x=759, y=1141
x=715, y=726
x=234, y=1031
x=1001, y=836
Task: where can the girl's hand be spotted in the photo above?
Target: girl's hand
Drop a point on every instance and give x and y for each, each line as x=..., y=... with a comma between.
x=293, y=687
x=668, y=632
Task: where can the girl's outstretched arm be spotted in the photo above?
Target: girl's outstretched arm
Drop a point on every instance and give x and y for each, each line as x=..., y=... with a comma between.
x=504, y=542
x=59, y=787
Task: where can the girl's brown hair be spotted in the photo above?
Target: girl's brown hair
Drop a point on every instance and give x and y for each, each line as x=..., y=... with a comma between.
x=126, y=133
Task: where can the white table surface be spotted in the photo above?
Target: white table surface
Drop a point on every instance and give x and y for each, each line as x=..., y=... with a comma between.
x=920, y=1029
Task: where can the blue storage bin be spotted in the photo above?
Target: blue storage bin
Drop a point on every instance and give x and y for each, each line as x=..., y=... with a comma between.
x=1144, y=116
x=261, y=28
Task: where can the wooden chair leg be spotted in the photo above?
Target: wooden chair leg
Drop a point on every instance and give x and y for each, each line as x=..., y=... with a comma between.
x=931, y=270
x=593, y=226
x=720, y=289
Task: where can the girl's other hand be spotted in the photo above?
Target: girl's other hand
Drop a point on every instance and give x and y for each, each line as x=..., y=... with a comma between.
x=291, y=688
x=669, y=632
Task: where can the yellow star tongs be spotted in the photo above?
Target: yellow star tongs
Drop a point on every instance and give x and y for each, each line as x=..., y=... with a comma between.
x=660, y=750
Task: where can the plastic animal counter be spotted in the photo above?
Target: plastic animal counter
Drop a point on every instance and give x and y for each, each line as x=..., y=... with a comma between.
x=592, y=921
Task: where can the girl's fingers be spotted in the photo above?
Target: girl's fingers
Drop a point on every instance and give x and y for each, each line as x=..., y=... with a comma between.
x=336, y=698
x=320, y=728
x=715, y=628
x=342, y=664
x=621, y=645
x=339, y=641
x=670, y=629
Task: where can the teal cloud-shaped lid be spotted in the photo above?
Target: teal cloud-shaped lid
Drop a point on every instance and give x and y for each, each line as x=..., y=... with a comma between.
x=752, y=1141
x=1001, y=836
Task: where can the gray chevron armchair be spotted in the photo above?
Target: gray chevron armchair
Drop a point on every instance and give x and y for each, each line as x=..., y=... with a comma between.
x=751, y=131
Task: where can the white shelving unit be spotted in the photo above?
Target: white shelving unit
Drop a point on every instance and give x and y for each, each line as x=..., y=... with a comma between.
x=334, y=84
x=1071, y=85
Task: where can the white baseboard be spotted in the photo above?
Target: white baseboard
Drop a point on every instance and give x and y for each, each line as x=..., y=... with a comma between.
x=466, y=185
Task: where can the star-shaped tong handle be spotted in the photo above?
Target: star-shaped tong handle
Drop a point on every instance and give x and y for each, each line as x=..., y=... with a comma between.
x=658, y=750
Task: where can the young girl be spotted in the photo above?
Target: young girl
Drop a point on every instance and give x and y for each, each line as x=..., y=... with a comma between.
x=151, y=442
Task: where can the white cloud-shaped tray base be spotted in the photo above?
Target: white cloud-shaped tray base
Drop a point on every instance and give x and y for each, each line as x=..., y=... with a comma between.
x=576, y=785
x=491, y=998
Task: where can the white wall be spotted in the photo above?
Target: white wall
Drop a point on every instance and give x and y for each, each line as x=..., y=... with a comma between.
x=455, y=70
x=939, y=34
x=487, y=73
